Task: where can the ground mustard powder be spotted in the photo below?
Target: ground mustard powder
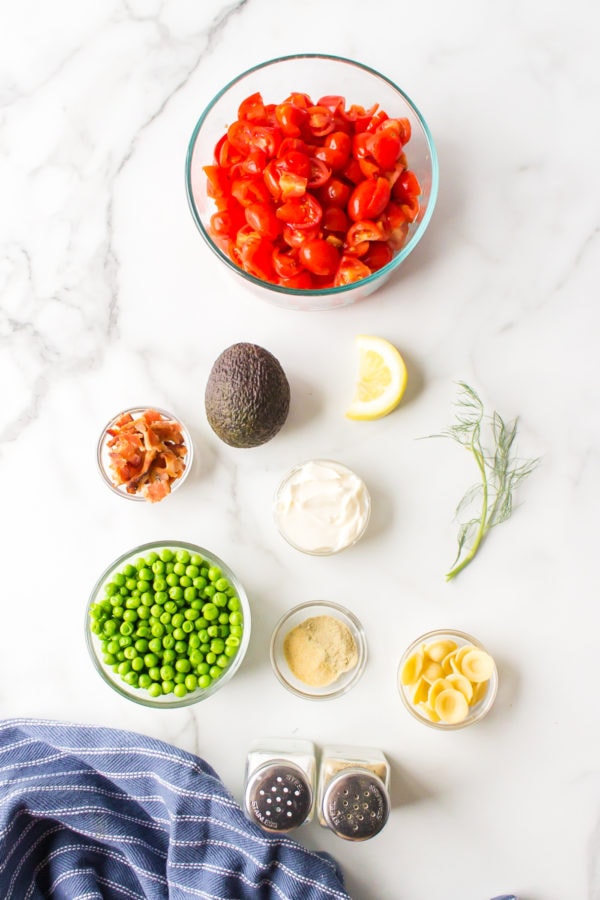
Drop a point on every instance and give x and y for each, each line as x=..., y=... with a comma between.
x=319, y=650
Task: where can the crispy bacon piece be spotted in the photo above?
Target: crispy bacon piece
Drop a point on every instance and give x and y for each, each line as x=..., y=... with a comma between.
x=146, y=454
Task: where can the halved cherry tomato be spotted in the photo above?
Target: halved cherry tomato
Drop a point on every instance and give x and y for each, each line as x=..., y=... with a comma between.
x=319, y=173
x=261, y=218
x=295, y=237
x=406, y=187
x=252, y=108
x=291, y=119
x=320, y=121
x=378, y=255
x=335, y=193
x=319, y=257
x=286, y=263
x=292, y=185
x=256, y=256
x=335, y=219
x=304, y=212
x=350, y=270
x=250, y=190
x=369, y=199
x=300, y=282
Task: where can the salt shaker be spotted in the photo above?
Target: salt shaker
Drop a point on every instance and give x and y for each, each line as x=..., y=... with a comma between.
x=354, y=783
x=280, y=783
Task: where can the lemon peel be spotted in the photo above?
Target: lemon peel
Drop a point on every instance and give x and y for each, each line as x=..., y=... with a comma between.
x=381, y=379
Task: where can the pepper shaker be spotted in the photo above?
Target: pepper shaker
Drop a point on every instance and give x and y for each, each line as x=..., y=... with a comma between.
x=280, y=783
x=354, y=800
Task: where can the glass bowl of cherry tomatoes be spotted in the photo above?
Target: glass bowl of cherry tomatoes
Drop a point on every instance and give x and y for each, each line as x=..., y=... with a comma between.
x=312, y=197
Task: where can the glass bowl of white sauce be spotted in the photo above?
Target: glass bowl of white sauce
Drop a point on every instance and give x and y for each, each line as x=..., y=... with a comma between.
x=322, y=507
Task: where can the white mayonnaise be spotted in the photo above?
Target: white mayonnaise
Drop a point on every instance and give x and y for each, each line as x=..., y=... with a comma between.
x=322, y=507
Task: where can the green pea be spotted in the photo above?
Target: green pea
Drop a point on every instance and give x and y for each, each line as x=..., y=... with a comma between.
x=209, y=591
x=154, y=673
x=235, y=618
x=178, y=619
x=155, y=690
x=230, y=651
x=159, y=584
x=143, y=586
x=199, y=583
x=179, y=568
x=172, y=579
x=151, y=558
x=222, y=661
x=192, y=571
x=183, y=665
x=158, y=630
x=165, y=618
x=193, y=641
x=130, y=652
x=210, y=611
x=144, y=680
x=215, y=672
x=176, y=593
x=188, y=627
x=158, y=567
x=169, y=568
x=155, y=645
x=168, y=642
x=111, y=588
x=130, y=615
x=214, y=573
x=204, y=648
x=196, y=657
x=132, y=678
x=126, y=628
x=169, y=656
x=224, y=618
x=143, y=612
x=109, y=627
x=185, y=582
x=217, y=645
x=180, y=690
x=196, y=559
x=143, y=630
x=161, y=597
x=166, y=555
x=147, y=599
x=124, y=667
x=210, y=657
x=124, y=640
x=118, y=612
x=167, y=687
x=182, y=556
x=191, y=682
x=234, y=604
x=137, y=664
x=204, y=634
x=171, y=606
x=236, y=629
x=131, y=584
x=213, y=631
x=204, y=681
x=190, y=594
x=150, y=660
x=180, y=648
x=167, y=672
x=110, y=659
x=119, y=579
x=202, y=668
x=232, y=641
x=113, y=646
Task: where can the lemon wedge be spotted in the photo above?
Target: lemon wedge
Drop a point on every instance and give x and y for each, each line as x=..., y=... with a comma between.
x=381, y=379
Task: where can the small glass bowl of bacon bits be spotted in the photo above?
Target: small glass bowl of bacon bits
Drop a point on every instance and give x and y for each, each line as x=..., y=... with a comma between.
x=144, y=453
x=312, y=178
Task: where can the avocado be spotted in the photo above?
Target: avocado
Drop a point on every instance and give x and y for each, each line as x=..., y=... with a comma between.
x=247, y=396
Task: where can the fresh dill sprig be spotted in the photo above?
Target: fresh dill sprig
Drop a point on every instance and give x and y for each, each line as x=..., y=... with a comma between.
x=489, y=502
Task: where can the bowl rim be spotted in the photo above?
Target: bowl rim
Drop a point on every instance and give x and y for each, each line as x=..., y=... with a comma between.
x=144, y=699
x=331, y=462
x=187, y=438
x=344, y=288
x=486, y=703
x=358, y=634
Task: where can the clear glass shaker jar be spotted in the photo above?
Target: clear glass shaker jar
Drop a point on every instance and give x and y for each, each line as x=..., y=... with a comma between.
x=354, y=784
x=280, y=781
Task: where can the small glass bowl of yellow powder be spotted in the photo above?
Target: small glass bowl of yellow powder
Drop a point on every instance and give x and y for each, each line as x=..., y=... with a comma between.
x=318, y=650
x=447, y=679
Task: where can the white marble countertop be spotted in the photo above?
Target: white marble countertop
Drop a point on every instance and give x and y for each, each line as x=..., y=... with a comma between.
x=109, y=297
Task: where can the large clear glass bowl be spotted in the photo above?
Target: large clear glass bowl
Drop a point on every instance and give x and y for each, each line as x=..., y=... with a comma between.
x=141, y=695
x=317, y=75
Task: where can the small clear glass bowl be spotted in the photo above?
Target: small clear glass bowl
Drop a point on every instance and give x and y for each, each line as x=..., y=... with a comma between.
x=318, y=75
x=104, y=462
x=478, y=710
x=278, y=511
x=141, y=695
x=295, y=617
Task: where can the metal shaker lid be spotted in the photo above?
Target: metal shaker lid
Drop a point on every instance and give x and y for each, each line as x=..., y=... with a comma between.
x=356, y=804
x=278, y=796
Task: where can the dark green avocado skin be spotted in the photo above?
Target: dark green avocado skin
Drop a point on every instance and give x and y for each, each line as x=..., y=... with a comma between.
x=247, y=396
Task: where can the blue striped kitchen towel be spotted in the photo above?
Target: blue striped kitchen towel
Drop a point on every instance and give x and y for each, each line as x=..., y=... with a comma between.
x=93, y=813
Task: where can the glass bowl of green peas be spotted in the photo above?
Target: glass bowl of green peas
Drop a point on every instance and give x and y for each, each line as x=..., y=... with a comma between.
x=167, y=624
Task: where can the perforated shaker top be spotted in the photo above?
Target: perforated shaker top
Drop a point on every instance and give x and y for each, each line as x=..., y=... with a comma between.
x=356, y=805
x=279, y=797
